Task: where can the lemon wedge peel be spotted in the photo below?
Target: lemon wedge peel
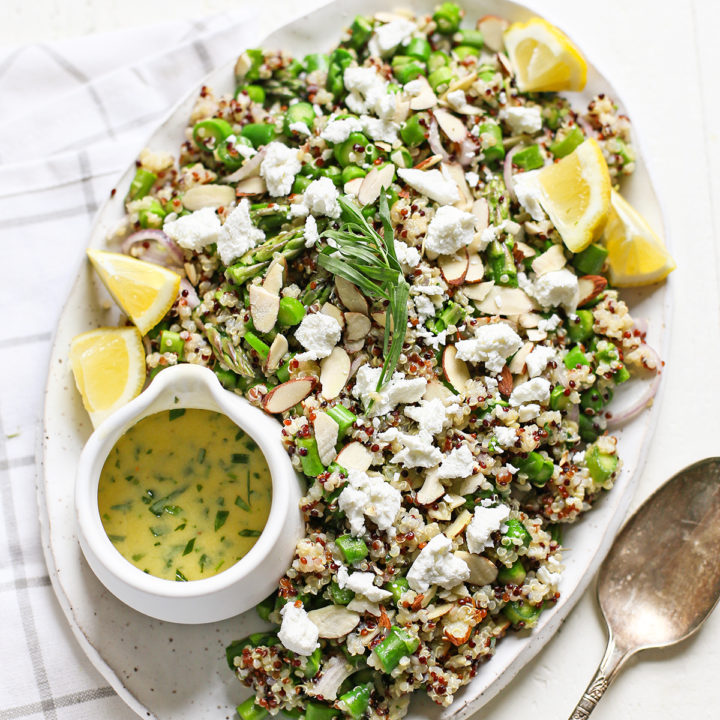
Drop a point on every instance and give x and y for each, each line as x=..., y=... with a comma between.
x=109, y=369
x=143, y=290
x=544, y=58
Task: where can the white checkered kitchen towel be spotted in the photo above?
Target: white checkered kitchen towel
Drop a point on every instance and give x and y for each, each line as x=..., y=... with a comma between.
x=73, y=114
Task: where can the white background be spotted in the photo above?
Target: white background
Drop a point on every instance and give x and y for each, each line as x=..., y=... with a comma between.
x=663, y=57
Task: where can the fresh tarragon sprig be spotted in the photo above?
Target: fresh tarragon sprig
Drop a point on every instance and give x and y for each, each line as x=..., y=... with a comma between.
x=367, y=259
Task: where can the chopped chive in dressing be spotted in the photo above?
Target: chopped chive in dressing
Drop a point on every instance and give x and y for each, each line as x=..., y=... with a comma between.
x=180, y=512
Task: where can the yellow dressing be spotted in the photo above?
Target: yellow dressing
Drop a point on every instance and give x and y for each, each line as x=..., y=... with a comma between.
x=184, y=494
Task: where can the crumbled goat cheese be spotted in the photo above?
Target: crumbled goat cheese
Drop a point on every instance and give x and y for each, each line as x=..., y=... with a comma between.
x=406, y=254
x=429, y=414
x=506, y=436
x=195, y=231
x=311, y=232
x=318, y=334
x=450, y=230
x=300, y=127
x=337, y=131
x=387, y=37
x=559, y=287
x=431, y=183
x=320, y=198
x=523, y=119
x=362, y=584
x=485, y=522
x=279, y=168
x=456, y=99
x=436, y=565
x=472, y=178
x=238, y=234
x=397, y=390
x=535, y=390
x=367, y=92
x=380, y=129
x=547, y=577
x=579, y=457
x=298, y=633
x=491, y=345
x=417, y=450
x=369, y=496
x=528, y=193
x=423, y=307
x=459, y=463
x=247, y=151
x=538, y=359
x=528, y=412
x=552, y=323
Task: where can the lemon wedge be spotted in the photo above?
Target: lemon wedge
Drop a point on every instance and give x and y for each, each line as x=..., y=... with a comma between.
x=544, y=58
x=575, y=193
x=636, y=255
x=109, y=369
x=145, y=291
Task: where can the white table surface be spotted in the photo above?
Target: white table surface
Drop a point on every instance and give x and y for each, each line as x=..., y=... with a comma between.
x=663, y=57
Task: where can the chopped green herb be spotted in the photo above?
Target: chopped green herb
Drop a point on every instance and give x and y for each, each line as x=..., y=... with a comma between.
x=175, y=413
x=123, y=507
x=179, y=577
x=189, y=547
x=220, y=518
x=249, y=533
x=201, y=455
x=241, y=458
x=116, y=538
x=242, y=504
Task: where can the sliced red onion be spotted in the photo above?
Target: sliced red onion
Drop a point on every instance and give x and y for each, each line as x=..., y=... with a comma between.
x=643, y=401
x=641, y=325
x=160, y=248
x=434, y=140
x=248, y=169
x=187, y=291
x=508, y=173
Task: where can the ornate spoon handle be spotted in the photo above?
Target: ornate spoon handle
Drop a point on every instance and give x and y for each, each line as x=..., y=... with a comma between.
x=614, y=658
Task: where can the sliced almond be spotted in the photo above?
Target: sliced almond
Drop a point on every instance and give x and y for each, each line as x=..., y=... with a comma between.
x=478, y=292
x=354, y=456
x=251, y=186
x=350, y=296
x=468, y=485
x=275, y=274
x=454, y=267
x=357, y=326
x=426, y=98
x=428, y=162
x=326, y=437
x=202, y=196
x=529, y=320
x=536, y=335
x=379, y=318
x=482, y=570
x=476, y=271
x=264, y=308
x=431, y=490
x=278, y=348
x=505, y=382
x=402, y=110
x=354, y=346
x=352, y=187
x=459, y=524
x=456, y=370
x=506, y=301
x=552, y=259
x=452, y=126
x=249, y=168
x=589, y=287
x=459, y=622
x=456, y=173
x=436, y=390
x=374, y=182
x=334, y=373
x=334, y=621
x=517, y=364
x=525, y=250
x=493, y=27
x=334, y=312
x=437, y=611
x=481, y=211
x=288, y=395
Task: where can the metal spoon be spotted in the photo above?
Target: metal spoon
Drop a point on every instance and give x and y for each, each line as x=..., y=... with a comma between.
x=670, y=544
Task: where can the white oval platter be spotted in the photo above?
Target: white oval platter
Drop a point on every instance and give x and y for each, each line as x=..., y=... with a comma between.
x=178, y=672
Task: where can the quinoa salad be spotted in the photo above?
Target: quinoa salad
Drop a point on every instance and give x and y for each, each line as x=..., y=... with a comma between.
x=366, y=255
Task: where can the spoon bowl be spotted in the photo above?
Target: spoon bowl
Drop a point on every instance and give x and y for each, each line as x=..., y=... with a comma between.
x=661, y=578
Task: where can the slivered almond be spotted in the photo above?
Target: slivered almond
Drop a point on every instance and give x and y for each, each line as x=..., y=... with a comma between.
x=334, y=312
x=456, y=371
x=334, y=621
x=202, y=196
x=354, y=456
x=478, y=292
x=273, y=280
x=453, y=127
x=384, y=621
x=552, y=259
x=352, y=187
x=476, y=271
x=354, y=346
x=428, y=162
x=436, y=390
x=334, y=373
x=251, y=186
x=482, y=570
x=436, y=612
x=357, y=326
x=454, y=267
x=462, y=83
x=402, y=110
x=459, y=524
x=426, y=98
x=350, y=296
x=468, y=485
x=518, y=362
x=505, y=382
x=264, y=308
x=288, y=395
x=529, y=320
x=326, y=436
x=492, y=28
x=278, y=348
x=374, y=182
x=379, y=318
x=506, y=301
x=536, y=335
x=505, y=66
x=431, y=490
x=589, y=287
x=525, y=250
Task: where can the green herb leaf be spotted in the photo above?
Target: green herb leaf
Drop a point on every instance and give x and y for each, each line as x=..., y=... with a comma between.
x=249, y=533
x=189, y=547
x=242, y=504
x=220, y=518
